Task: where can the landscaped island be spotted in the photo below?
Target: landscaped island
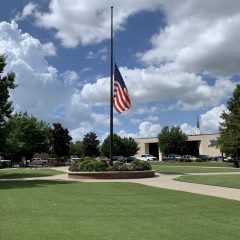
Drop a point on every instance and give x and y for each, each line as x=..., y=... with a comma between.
x=100, y=169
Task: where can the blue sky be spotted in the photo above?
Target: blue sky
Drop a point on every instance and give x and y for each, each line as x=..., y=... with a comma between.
x=179, y=60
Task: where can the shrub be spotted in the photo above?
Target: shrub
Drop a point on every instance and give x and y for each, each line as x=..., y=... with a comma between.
x=74, y=168
x=93, y=166
x=119, y=166
x=138, y=165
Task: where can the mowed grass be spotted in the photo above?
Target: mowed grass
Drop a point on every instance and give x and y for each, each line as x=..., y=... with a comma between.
x=231, y=181
x=106, y=211
x=193, y=167
x=27, y=173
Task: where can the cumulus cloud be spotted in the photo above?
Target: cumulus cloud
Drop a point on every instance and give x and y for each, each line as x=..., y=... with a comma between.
x=198, y=37
x=28, y=10
x=70, y=77
x=100, y=54
x=49, y=49
x=209, y=122
x=188, y=129
x=39, y=90
x=145, y=129
x=77, y=22
x=187, y=90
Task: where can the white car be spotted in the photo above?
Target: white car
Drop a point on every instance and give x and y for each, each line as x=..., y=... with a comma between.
x=147, y=157
x=190, y=157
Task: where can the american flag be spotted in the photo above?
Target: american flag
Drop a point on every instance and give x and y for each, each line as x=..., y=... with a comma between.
x=121, y=100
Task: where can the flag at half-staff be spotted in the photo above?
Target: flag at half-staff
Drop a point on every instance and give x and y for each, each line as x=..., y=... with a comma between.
x=121, y=100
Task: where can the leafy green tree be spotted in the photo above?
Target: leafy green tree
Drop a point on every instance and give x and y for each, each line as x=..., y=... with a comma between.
x=76, y=148
x=90, y=145
x=121, y=146
x=6, y=108
x=26, y=135
x=230, y=127
x=130, y=147
x=172, y=140
x=60, y=140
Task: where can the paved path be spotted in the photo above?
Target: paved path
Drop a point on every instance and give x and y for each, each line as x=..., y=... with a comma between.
x=163, y=181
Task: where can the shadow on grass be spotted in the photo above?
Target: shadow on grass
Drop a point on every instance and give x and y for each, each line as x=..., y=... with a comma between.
x=24, y=175
x=14, y=184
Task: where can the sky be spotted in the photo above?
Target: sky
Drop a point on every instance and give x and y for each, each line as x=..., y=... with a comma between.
x=180, y=61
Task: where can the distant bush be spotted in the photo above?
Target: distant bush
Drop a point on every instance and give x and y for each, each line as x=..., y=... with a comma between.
x=138, y=165
x=93, y=166
x=119, y=166
x=5, y=164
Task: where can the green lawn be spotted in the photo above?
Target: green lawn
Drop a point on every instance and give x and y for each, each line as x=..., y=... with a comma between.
x=199, y=164
x=183, y=168
x=106, y=211
x=232, y=181
x=27, y=173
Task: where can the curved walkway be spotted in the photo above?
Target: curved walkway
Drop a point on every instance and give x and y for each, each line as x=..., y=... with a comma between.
x=162, y=181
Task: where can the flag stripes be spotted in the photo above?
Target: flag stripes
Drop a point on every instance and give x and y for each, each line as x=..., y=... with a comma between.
x=121, y=100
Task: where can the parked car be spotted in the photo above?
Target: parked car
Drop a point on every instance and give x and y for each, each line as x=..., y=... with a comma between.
x=223, y=159
x=190, y=157
x=73, y=159
x=147, y=157
x=206, y=157
x=5, y=163
x=129, y=159
x=118, y=158
x=37, y=162
x=172, y=157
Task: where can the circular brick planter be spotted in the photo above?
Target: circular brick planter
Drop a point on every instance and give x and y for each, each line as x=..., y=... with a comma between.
x=112, y=175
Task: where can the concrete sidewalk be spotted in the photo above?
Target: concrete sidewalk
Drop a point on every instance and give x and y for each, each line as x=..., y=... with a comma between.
x=160, y=181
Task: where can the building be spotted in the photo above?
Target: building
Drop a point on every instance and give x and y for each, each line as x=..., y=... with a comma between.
x=200, y=144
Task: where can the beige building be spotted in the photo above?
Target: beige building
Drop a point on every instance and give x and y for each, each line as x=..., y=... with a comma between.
x=200, y=144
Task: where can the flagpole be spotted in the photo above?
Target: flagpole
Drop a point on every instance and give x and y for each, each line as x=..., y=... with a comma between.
x=111, y=93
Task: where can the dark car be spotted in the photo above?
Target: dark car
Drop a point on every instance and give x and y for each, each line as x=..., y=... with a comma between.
x=118, y=158
x=130, y=159
x=206, y=157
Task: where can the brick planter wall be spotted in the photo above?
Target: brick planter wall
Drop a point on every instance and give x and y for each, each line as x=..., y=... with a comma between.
x=112, y=175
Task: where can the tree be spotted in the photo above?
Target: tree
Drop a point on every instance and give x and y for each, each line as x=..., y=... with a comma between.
x=130, y=147
x=90, y=145
x=26, y=135
x=6, y=83
x=76, y=148
x=230, y=127
x=121, y=146
x=60, y=140
x=172, y=140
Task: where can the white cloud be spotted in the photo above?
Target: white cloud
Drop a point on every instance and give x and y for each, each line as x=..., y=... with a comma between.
x=28, y=10
x=78, y=22
x=148, y=129
x=39, y=91
x=49, y=49
x=70, y=77
x=209, y=122
x=78, y=133
x=199, y=37
x=145, y=129
x=100, y=54
x=188, y=129
x=152, y=118
x=187, y=90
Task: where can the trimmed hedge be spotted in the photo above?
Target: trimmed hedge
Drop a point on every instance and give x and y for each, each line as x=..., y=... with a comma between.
x=92, y=165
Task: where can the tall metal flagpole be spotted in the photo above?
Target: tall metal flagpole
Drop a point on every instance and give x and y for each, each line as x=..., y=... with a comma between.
x=111, y=93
